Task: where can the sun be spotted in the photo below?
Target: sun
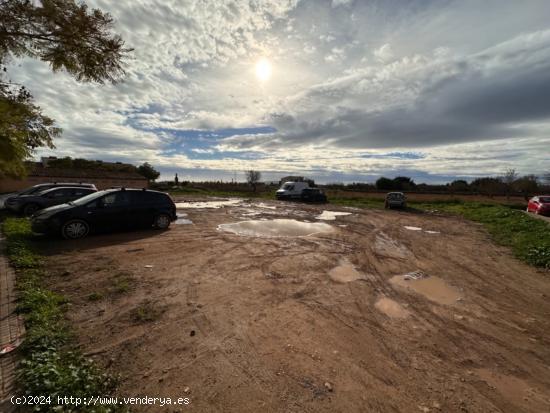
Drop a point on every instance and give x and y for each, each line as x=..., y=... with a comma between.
x=263, y=69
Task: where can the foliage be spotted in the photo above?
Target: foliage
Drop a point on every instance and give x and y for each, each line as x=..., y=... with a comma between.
x=51, y=365
x=68, y=36
x=148, y=171
x=23, y=128
x=398, y=183
x=253, y=177
x=65, y=34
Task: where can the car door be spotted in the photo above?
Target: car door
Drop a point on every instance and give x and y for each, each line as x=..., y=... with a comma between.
x=109, y=212
x=145, y=206
x=57, y=196
x=79, y=193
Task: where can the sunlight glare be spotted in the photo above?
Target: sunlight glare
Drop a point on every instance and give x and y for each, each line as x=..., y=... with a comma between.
x=263, y=69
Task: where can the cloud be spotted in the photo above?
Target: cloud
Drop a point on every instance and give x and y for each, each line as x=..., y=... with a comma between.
x=449, y=88
x=421, y=101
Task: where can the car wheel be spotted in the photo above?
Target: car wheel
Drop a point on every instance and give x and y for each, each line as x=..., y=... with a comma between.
x=74, y=229
x=162, y=221
x=30, y=209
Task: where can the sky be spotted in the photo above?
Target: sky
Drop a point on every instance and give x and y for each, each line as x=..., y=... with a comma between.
x=335, y=90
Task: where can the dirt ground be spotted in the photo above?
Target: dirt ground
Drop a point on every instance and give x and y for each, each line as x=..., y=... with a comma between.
x=321, y=323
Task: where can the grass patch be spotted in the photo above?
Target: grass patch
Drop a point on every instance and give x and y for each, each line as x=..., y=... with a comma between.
x=146, y=312
x=528, y=237
x=52, y=365
x=95, y=296
x=121, y=283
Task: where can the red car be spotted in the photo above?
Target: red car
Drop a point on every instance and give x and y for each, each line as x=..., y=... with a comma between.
x=539, y=205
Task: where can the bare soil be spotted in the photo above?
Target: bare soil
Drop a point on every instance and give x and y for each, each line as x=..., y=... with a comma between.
x=312, y=323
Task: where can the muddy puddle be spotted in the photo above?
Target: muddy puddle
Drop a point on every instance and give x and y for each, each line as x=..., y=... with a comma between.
x=208, y=204
x=182, y=220
x=386, y=246
x=391, y=308
x=276, y=228
x=345, y=272
x=433, y=288
x=331, y=215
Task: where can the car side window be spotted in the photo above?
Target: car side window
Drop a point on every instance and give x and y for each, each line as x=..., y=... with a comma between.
x=59, y=193
x=116, y=199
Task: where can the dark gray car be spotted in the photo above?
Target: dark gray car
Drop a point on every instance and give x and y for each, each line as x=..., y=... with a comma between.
x=29, y=204
x=395, y=200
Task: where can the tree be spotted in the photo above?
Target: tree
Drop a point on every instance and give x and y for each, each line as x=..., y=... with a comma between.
x=385, y=183
x=459, y=185
x=527, y=185
x=253, y=177
x=176, y=180
x=148, y=171
x=23, y=128
x=403, y=182
x=69, y=37
x=509, y=177
x=488, y=186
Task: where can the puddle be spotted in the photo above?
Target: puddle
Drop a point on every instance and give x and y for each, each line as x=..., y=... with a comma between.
x=345, y=273
x=433, y=288
x=331, y=215
x=207, y=204
x=515, y=390
x=276, y=228
x=386, y=246
x=413, y=228
x=431, y=232
x=181, y=220
x=266, y=206
x=391, y=308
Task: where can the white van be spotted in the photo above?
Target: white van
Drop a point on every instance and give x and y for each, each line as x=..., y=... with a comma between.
x=291, y=190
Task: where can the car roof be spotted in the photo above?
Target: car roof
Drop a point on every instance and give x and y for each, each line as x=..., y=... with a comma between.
x=64, y=184
x=66, y=187
x=133, y=190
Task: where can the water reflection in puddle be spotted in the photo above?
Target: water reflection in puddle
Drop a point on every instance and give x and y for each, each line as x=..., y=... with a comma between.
x=433, y=288
x=182, y=220
x=207, y=204
x=276, y=228
x=331, y=215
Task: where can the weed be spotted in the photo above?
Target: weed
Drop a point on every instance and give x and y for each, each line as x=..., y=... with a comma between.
x=146, y=312
x=95, y=296
x=51, y=365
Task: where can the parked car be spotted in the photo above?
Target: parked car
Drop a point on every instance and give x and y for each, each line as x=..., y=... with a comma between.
x=313, y=195
x=539, y=205
x=291, y=190
x=395, y=200
x=42, y=187
x=109, y=210
x=29, y=204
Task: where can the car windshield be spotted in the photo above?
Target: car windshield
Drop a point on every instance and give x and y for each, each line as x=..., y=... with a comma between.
x=395, y=195
x=544, y=199
x=34, y=190
x=85, y=199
